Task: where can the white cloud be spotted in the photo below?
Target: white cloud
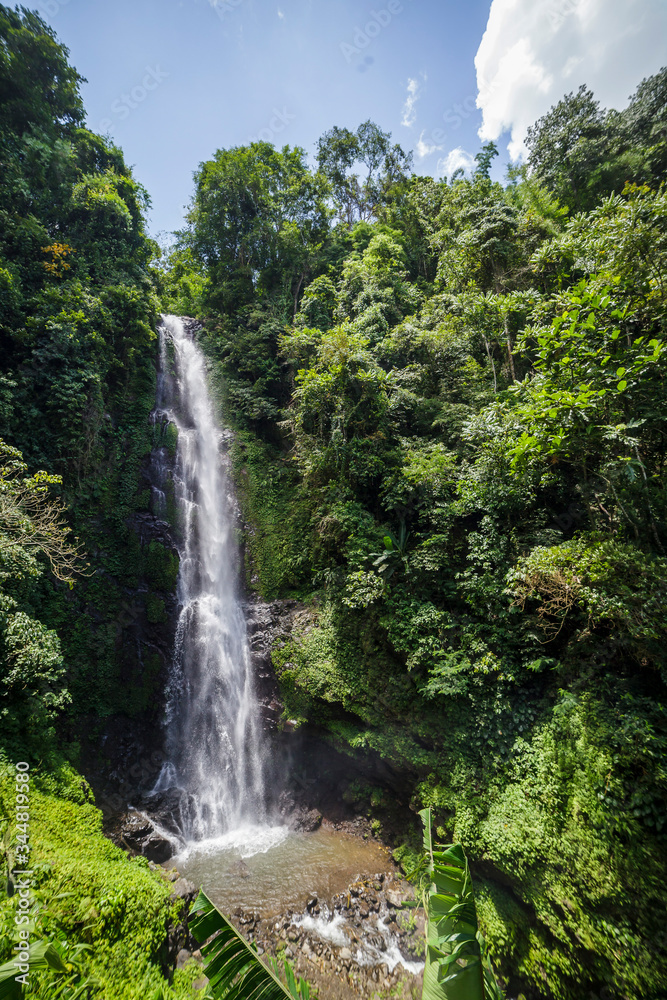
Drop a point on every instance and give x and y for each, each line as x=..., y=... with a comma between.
x=458, y=159
x=425, y=148
x=281, y=14
x=409, y=112
x=533, y=52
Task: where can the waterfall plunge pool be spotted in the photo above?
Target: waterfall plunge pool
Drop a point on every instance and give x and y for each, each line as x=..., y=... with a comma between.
x=270, y=869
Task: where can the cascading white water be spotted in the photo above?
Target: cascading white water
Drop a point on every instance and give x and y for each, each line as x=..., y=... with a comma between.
x=210, y=798
x=213, y=735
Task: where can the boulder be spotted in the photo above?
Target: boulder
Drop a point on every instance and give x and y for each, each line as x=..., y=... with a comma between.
x=395, y=898
x=182, y=888
x=157, y=849
x=135, y=829
x=305, y=820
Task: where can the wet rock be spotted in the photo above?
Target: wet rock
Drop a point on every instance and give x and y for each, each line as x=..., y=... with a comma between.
x=182, y=888
x=395, y=897
x=305, y=820
x=135, y=829
x=137, y=834
x=166, y=808
x=240, y=868
x=157, y=849
x=312, y=902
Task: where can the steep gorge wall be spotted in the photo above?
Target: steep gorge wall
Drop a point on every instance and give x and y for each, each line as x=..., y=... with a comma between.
x=567, y=903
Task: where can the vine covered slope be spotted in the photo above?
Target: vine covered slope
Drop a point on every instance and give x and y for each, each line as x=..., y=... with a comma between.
x=450, y=407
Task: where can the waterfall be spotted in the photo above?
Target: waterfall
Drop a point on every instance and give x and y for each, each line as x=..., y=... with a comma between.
x=214, y=741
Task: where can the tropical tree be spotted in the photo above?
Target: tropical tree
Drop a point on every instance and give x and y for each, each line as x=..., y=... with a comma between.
x=32, y=525
x=257, y=216
x=358, y=197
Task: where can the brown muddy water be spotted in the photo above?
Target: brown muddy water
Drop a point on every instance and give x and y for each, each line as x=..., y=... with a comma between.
x=273, y=869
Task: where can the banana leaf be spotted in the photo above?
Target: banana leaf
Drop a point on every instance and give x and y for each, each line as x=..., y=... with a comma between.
x=233, y=967
x=457, y=967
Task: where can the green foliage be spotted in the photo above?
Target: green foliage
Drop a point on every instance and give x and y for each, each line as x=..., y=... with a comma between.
x=233, y=967
x=256, y=210
x=155, y=609
x=452, y=448
x=339, y=151
x=161, y=567
x=582, y=153
x=181, y=284
x=616, y=585
x=77, y=382
x=104, y=914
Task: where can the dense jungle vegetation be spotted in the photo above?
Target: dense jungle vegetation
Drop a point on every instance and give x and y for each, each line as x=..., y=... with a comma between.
x=77, y=382
x=449, y=402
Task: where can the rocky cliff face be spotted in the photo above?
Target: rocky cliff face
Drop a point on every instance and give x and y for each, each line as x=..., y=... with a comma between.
x=308, y=777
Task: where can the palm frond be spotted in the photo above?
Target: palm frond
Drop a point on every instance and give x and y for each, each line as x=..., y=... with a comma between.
x=233, y=967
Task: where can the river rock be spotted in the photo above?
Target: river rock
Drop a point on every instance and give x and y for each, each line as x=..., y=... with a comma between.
x=305, y=820
x=138, y=834
x=166, y=809
x=182, y=888
x=240, y=868
x=135, y=829
x=157, y=849
x=395, y=898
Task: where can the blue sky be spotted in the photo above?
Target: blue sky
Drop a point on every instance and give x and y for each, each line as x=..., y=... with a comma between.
x=174, y=80
x=222, y=76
